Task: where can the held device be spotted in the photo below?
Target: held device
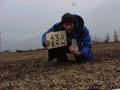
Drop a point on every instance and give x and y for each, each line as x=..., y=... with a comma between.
x=74, y=45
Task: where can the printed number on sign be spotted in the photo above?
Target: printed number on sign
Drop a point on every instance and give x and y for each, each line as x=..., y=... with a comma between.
x=57, y=39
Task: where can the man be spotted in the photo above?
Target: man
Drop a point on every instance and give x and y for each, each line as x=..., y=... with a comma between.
x=75, y=29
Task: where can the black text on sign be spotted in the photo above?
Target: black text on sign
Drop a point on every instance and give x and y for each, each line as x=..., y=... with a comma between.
x=56, y=39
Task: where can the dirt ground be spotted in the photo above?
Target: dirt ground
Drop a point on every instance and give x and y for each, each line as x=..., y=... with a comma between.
x=31, y=71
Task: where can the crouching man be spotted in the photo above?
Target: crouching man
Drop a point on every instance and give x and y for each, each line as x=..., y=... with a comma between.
x=76, y=32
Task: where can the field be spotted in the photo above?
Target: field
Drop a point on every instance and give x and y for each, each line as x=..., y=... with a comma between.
x=32, y=71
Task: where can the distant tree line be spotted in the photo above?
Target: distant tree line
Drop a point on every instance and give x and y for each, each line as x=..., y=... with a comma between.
x=20, y=51
x=116, y=38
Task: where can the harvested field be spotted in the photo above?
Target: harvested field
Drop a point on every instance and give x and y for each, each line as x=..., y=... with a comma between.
x=31, y=71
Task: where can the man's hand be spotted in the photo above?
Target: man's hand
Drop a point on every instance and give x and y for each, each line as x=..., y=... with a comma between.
x=74, y=50
x=47, y=43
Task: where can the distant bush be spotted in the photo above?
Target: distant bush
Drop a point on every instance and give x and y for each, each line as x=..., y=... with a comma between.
x=29, y=50
x=20, y=51
x=7, y=51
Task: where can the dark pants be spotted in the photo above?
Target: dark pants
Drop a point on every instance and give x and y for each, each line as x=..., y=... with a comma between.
x=61, y=54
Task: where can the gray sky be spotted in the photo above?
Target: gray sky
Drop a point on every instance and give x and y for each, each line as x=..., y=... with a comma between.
x=22, y=22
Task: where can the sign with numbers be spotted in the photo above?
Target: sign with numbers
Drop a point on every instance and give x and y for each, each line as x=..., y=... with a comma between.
x=56, y=39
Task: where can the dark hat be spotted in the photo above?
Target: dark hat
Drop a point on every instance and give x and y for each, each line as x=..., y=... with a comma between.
x=67, y=17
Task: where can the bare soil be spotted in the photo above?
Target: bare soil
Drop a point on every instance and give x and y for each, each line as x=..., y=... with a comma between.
x=32, y=71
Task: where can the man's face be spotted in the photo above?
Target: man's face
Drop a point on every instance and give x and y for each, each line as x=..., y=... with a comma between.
x=69, y=26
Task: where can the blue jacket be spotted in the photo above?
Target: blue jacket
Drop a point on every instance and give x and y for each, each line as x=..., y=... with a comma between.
x=81, y=35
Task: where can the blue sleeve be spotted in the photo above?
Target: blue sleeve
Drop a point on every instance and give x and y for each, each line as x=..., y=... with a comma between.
x=86, y=41
x=44, y=36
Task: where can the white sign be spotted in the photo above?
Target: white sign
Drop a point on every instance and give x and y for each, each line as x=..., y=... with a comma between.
x=56, y=39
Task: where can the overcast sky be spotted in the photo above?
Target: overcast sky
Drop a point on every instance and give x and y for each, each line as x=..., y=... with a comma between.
x=22, y=22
